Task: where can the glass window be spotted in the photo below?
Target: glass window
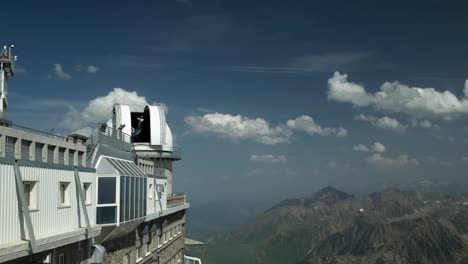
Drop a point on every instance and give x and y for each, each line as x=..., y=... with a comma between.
x=38, y=153
x=87, y=192
x=64, y=195
x=143, y=188
x=133, y=196
x=142, y=196
x=106, y=190
x=27, y=192
x=106, y=215
x=61, y=156
x=25, y=144
x=150, y=191
x=127, y=259
x=122, y=198
x=71, y=157
x=50, y=154
x=61, y=259
x=137, y=197
x=138, y=254
x=127, y=198
x=148, y=245
x=127, y=168
x=10, y=147
x=30, y=193
x=80, y=158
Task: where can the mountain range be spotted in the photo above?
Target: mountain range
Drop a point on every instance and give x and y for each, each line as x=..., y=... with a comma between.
x=332, y=226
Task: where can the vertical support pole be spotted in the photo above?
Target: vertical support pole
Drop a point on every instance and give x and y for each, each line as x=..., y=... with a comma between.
x=2, y=145
x=24, y=208
x=83, y=202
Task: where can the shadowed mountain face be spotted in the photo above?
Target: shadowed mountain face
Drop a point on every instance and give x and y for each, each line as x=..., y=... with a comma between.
x=332, y=226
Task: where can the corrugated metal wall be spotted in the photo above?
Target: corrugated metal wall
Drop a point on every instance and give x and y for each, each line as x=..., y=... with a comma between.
x=9, y=214
x=49, y=219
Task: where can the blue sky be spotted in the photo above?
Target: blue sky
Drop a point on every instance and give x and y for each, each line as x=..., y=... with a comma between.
x=251, y=88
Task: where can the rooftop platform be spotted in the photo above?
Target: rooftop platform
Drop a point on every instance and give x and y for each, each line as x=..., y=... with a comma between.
x=22, y=143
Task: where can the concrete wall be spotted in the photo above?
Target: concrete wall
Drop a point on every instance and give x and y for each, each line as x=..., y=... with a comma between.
x=78, y=150
x=72, y=253
x=152, y=246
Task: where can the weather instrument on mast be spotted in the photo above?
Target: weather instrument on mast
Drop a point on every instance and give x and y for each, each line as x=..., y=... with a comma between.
x=7, y=70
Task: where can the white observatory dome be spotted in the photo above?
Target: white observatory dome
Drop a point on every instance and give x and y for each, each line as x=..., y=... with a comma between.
x=153, y=131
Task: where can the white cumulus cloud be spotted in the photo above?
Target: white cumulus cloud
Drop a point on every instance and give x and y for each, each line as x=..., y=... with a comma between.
x=268, y=158
x=361, y=147
x=307, y=124
x=60, y=73
x=99, y=109
x=383, y=122
x=378, y=147
x=237, y=127
x=397, y=97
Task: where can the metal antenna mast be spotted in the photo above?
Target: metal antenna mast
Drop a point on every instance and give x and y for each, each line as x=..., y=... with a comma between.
x=7, y=70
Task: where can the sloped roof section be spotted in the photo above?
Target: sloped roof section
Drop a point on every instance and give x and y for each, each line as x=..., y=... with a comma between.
x=125, y=167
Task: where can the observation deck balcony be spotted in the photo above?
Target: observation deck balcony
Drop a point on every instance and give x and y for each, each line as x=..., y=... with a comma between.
x=176, y=200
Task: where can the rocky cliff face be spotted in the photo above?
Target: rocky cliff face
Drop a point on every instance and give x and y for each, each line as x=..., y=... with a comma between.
x=332, y=226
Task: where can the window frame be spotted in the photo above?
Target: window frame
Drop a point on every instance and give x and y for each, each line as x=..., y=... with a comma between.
x=61, y=257
x=32, y=195
x=88, y=193
x=150, y=191
x=138, y=254
x=128, y=257
x=65, y=202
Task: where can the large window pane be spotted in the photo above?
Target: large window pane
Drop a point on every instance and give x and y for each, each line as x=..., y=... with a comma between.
x=133, y=202
x=144, y=195
x=127, y=198
x=106, y=215
x=122, y=199
x=138, y=197
x=106, y=189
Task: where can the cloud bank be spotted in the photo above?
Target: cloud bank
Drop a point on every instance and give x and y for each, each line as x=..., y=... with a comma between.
x=268, y=159
x=383, y=123
x=399, y=98
x=378, y=159
x=237, y=127
x=307, y=124
x=399, y=161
